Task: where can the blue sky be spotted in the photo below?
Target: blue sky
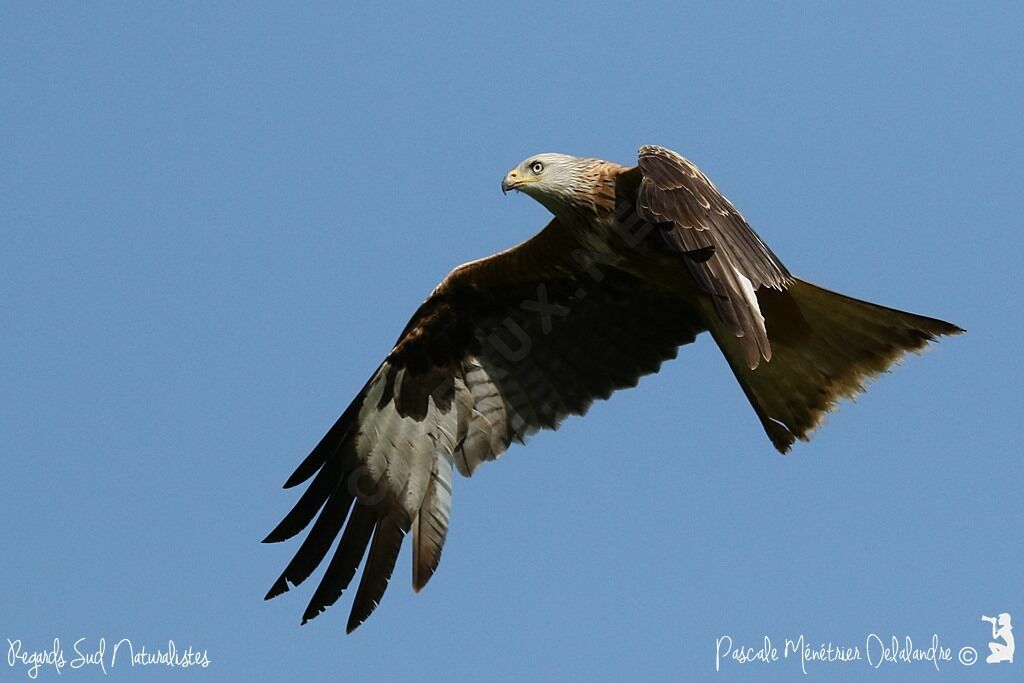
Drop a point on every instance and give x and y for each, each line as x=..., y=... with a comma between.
x=216, y=219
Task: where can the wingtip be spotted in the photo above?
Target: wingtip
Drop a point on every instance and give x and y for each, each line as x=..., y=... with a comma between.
x=275, y=536
x=298, y=476
x=421, y=576
x=280, y=586
x=355, y=621
x=311, y=613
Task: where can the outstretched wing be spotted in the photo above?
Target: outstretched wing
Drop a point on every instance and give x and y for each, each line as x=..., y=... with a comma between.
x=503, y=347
x=695, y=216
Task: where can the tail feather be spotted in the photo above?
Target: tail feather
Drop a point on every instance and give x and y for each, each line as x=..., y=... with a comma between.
x=825, y=346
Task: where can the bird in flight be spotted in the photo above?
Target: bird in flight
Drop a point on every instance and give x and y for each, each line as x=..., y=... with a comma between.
x=636, y=262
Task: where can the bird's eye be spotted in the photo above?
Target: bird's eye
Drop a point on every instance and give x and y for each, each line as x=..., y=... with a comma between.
x=536, y=167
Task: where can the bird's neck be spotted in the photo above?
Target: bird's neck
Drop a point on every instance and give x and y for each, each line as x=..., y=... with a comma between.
x=590, y=198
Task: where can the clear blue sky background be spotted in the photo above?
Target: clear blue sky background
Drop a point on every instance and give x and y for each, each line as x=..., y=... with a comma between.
x=215, y=221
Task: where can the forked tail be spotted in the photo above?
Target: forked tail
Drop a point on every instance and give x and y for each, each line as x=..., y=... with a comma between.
x=824, y=347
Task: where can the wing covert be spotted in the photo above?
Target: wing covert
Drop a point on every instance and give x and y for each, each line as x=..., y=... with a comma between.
x=677, y=196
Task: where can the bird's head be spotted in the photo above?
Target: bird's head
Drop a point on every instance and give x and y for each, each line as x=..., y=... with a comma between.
x=555, y=180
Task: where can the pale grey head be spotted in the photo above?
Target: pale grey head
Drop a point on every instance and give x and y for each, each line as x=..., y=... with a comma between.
x=558, y=181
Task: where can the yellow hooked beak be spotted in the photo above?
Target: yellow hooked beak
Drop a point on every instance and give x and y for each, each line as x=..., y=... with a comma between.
x=514, y=180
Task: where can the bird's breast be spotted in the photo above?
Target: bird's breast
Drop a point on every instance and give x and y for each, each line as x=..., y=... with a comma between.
x=598, y=239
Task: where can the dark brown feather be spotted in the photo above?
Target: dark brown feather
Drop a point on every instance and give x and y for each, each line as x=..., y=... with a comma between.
x=674, y=192
x=345, y=561
x=312, y=499
x=316, y=544
x=387, y=541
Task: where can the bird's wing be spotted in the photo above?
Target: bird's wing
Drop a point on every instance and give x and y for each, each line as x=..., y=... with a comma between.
x=503, y=347
x=696, y=218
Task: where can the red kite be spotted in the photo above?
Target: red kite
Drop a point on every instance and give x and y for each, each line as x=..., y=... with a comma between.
x=635, y=263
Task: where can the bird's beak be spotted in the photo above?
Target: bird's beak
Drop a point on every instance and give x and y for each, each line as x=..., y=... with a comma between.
x=509, y=183
x=514, y=181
